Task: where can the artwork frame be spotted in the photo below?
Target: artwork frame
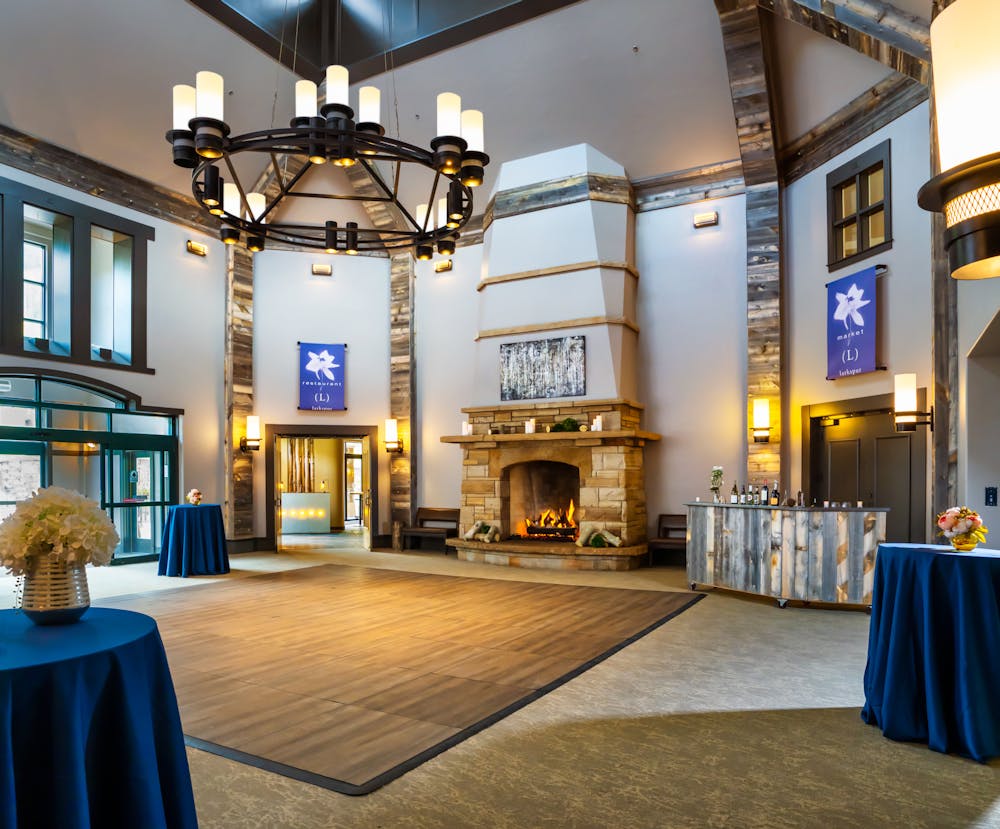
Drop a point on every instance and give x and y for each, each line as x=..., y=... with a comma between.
x=543, y=369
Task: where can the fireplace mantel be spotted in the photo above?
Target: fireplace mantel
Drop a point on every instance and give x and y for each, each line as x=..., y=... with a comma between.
x=578, y=438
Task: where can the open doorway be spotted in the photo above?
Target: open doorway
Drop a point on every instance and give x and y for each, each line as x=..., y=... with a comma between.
x=982, y=402
x=322, y=483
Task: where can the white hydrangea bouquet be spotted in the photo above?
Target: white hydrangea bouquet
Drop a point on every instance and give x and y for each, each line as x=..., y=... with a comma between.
x=59, y=524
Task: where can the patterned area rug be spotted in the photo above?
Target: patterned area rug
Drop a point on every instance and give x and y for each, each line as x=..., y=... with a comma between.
x=348, y=677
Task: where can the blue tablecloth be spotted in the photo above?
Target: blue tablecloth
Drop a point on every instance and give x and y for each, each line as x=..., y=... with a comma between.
x=194, y=542
x=933, y=672
x=90, y=735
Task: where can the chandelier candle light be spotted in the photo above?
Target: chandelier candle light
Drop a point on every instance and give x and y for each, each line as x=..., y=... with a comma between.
x=454, y=164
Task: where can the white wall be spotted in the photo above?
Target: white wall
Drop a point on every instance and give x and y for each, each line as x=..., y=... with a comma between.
x=905, y=292
x=692, y=349
x=446, y=308
x=291, y=306
x=185, y=338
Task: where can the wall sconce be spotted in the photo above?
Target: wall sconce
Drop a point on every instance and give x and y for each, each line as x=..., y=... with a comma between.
x=966, y=69
x=392, y=439
x=761, y=420
x=197, y=248
x=319, y=269
x=904, y=407
x=250, y=442
x=442, y=266
x=709, y=219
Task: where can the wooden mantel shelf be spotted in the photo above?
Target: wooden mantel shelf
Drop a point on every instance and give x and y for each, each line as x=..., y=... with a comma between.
x=582, y=438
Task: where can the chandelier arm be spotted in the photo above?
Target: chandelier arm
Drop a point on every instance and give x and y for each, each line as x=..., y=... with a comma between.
x=339, y=197
x=390, y=194
x=285, y=190
x=278, y=174
x=244, y=204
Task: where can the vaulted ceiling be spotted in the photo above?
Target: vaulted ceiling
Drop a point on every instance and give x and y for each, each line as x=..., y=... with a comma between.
x=644, y=81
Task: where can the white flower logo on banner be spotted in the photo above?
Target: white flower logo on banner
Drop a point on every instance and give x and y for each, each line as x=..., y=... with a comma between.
x=848, y=305
x=322, y=363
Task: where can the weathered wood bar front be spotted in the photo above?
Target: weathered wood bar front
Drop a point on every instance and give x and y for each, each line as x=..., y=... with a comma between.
x=800, y=553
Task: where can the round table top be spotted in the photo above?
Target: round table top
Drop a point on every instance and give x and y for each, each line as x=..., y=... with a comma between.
x=23, y=644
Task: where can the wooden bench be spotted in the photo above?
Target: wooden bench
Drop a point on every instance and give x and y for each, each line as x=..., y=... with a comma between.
x=435, y=523
x=671, y=535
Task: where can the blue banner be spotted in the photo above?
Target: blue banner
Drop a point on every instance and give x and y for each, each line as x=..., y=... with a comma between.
x=321, y=377
x=850, y=325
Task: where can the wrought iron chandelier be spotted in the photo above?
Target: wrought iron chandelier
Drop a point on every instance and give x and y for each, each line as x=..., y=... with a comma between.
x=453, y=165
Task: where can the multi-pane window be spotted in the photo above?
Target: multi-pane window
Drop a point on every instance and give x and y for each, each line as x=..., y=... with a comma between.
x=858, y=208
x=72, y=281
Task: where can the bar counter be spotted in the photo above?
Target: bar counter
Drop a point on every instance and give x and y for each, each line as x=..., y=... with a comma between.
x=799, y=553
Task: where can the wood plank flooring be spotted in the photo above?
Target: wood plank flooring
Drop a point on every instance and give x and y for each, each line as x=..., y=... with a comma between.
x=347, y=677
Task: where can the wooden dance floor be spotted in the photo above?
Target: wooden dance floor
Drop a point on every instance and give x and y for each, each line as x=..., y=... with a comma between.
x=347, y=677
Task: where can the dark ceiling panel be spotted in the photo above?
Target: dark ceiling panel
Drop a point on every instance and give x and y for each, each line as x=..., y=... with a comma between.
x=303, y=35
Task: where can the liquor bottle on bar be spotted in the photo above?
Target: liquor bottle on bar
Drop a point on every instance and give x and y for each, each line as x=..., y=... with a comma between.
x=734, y=496
x=798, y=500
x=755, y=500
x=743, y=494
x=775, y=496
x=764, y=499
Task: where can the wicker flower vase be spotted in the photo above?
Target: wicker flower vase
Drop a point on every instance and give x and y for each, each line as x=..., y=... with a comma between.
x=55, y=593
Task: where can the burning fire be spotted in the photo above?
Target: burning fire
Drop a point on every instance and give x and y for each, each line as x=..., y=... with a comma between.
x=551, y=521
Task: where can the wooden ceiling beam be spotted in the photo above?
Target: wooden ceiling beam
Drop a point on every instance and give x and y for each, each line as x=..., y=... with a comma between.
x=876, y=29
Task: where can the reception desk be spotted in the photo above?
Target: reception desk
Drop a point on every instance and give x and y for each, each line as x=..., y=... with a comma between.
x=800, y=553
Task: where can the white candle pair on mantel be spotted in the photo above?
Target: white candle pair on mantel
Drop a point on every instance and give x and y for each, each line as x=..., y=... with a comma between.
x=466, y=427
x=597, y=425
x=529, y=426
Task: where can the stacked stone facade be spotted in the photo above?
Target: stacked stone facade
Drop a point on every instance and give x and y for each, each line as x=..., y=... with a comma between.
x=612, y=486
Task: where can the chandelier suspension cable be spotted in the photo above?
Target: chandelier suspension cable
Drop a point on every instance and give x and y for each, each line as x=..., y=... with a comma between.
x=454, y=164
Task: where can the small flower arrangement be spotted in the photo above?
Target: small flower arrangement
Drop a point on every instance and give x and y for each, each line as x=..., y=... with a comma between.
x=962, y=526
x=715, y=484
x=60, y=524
x=194, y=497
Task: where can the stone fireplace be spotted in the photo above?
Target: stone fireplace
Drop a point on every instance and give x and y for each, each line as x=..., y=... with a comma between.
x=541, y=501
x=498, y=486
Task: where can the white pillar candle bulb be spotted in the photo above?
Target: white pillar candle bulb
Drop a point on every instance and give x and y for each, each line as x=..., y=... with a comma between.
x=257, y=203
x=472, y=130
x=336, y=84
x=209, y=95
x=370, y=105
x=305, y=99
x=420, y=215
x=184, y=105
x=449, y=114
x=231, y=198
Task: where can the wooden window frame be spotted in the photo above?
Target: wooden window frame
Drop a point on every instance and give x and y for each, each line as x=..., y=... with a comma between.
x=13, y=196
x=854, y=172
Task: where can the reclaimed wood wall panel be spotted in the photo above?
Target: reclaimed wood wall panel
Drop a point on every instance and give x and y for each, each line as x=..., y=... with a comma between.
x=402, y=386
x=784, y=553
x=869, y=112
x=558, y=192
x=711, y=181
x=874, y=29
x=748, y=61
x=238, y=379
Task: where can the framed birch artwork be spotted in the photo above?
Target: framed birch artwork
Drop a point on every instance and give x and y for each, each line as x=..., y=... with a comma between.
x=543, y=369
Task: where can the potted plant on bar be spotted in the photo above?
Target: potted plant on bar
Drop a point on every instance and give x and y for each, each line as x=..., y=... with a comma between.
x=962, y=527
x=715, y=483
x=47, y=541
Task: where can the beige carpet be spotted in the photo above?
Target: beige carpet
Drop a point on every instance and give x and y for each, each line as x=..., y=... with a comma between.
x=348, y=677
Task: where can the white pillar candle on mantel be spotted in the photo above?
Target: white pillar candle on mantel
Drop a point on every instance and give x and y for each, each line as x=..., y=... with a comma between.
x=529, y=426
x=597, y=425
x=466, y=428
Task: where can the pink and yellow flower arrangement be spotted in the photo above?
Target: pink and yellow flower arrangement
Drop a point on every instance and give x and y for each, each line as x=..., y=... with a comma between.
x=194, y=497
x=963, y=527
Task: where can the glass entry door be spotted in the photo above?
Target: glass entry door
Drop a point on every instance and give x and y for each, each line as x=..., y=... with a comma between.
x=137, y=483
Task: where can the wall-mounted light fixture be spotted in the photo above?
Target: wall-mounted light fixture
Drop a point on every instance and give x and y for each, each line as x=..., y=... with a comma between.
x=197, y=248
x=707, y=219
x=393, y=443
x=966, y=70
x=320, y=269
x=905, y=414
x=761, y=420
x=250, y=442
x=442, y=266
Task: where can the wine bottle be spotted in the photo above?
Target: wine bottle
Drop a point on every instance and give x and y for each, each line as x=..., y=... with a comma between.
x=775, y=495
x=764, y=497
x=734, y=496
x=798, y=500
x=743, y=494
x=756, y=495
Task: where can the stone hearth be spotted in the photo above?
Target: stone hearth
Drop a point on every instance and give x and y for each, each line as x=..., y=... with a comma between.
x=612, y=486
